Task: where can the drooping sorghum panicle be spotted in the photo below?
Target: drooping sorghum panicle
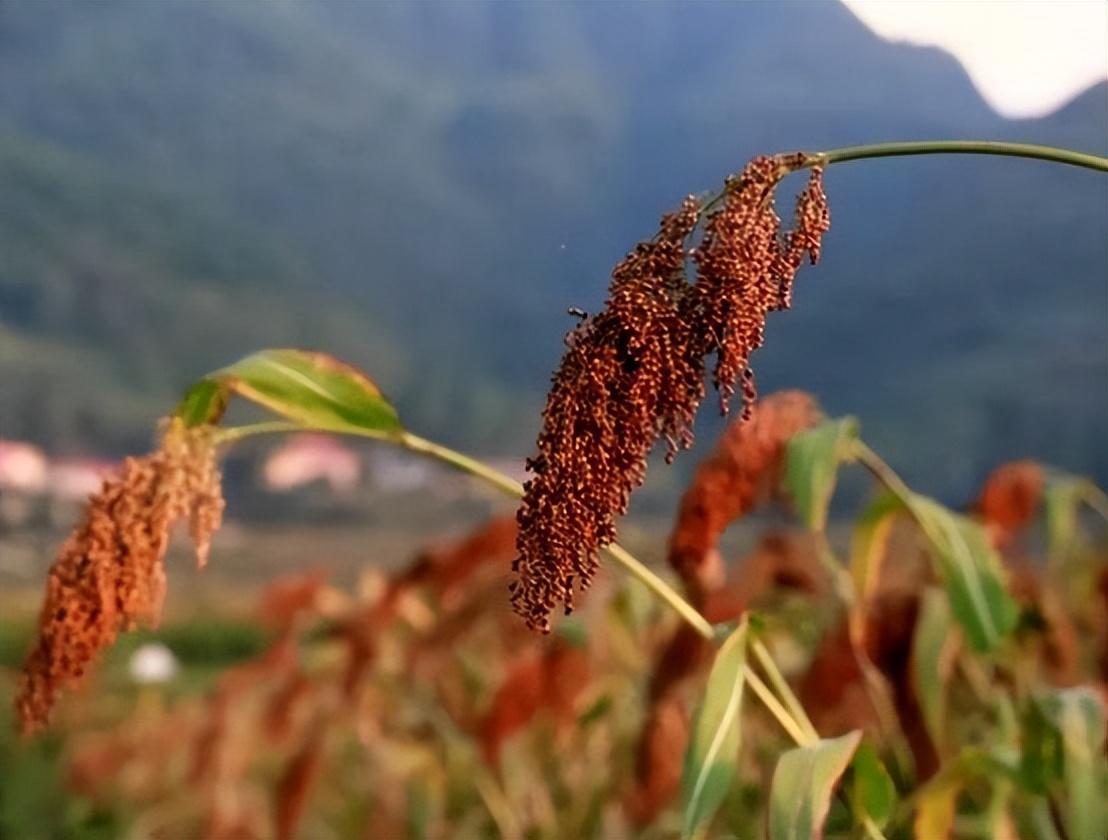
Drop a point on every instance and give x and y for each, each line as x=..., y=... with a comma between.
x=627, y=377
x=549, y=679
x=740, y=472
x=109, y=575
x=448, y=571
x=660, y=760
x=635, y=372
x=1009, y=499
x=746, y=265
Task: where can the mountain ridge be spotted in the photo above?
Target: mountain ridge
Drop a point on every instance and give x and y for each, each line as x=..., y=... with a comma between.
x=433, y=184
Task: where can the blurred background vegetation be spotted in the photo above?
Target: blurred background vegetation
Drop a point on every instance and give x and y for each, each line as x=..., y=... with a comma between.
x=424, y=188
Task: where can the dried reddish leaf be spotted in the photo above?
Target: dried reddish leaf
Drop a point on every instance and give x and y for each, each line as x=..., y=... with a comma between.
x=288, y=596
x=295, y=785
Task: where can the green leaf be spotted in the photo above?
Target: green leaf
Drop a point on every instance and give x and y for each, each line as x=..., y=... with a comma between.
x=874, y=794
x=811, y=466
x=712, y=759
x=800, y=794
x=1078, y=717
x=1041, y=764
x=934, y=648
x=868, y=543
x=971, y=572
x=312, y=389
x=968, y=565
x=203, y=403
x=1062, y=499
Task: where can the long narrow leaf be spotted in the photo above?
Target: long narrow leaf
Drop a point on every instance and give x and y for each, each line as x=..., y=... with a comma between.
x=811, y=467
x=712, y=759
x=971, y=572
x=805, y=778
x=869, y=541
x=934, y=647
x=874, y=794
x=1079, y=719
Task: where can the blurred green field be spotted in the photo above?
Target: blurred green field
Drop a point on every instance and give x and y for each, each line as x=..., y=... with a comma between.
x=35, y=803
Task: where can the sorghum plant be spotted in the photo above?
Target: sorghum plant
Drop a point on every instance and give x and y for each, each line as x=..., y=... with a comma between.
x=1016, y=646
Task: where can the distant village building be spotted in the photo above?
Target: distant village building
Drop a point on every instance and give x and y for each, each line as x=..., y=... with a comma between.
x=33, y=485
x=22, y=479
x=75, y=479
x=393, y=470
x=23, y=468
x=306, y=459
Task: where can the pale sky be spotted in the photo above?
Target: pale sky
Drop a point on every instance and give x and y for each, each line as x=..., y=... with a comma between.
x=1026, y=57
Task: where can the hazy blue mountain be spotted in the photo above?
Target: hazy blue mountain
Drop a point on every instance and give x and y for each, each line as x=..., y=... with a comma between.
x=425, y=187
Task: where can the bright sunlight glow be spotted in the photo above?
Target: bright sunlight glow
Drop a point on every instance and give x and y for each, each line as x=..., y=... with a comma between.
x=1026, y=57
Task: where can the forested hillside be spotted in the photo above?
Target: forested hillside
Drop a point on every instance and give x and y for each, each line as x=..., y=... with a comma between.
x=184, y=181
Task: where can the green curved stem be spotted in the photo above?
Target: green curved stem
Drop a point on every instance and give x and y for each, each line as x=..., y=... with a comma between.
x=883, y=473
x=493, y=477
x=237, y=433
x=792, y=726
x=504, y=483
x=913, y=148
x=662, y=589
x=958, y=147
x=795, y=707
x=790, y=714
x=513, y=488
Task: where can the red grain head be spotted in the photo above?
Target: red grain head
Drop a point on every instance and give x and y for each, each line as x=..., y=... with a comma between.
x=109, y=575
x=634, y=373
x=1010, y=497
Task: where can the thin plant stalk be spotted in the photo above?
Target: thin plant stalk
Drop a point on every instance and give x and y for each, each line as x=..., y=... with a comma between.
x=782, y=687
x=916, y=148
x=883, y=473
x=505, y=484
x=1051, y=154
x=795, y=722
x=511, y=487
x=795, y=729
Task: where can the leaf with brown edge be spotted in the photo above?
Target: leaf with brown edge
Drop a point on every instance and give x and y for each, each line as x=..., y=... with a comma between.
x=204, y=403
x=868, y=545
x=1062, y=499
x=805, y=778
x=969, y=567
x=935, y=647
x=311, y=389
